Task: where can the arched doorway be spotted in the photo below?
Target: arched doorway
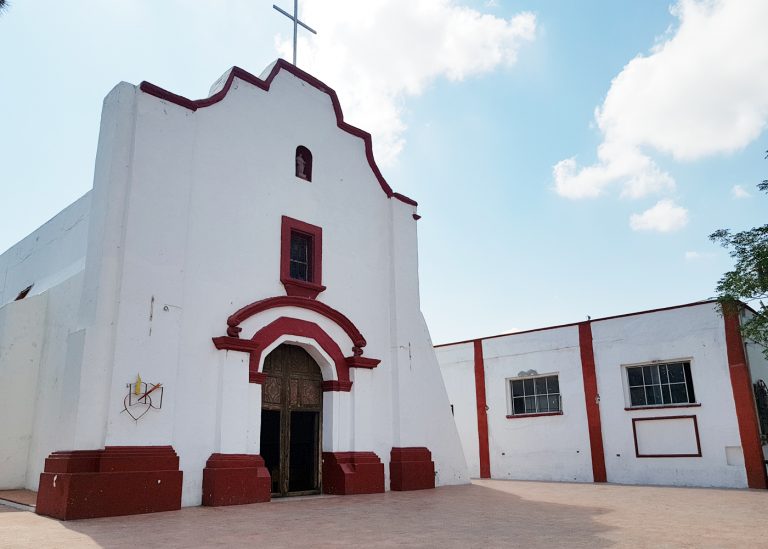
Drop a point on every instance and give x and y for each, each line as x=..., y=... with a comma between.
x=291, y=421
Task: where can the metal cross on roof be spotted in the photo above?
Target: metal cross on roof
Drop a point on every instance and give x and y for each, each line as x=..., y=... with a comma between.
x=296, y=23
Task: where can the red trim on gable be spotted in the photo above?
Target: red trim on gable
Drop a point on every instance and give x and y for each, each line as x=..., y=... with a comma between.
x=281, y=64
x=301, y=288
x=743, y=398
x=482, y=412
x=591, y=398
x=655, y=418
x=319, y=307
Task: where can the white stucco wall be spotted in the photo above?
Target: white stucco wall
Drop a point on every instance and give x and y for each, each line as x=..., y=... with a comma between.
x=557, y=447
x=184, y=229
x=34, y=334
x=458, y=369
x=693, y=333
x=49, y=255
x=544, y=447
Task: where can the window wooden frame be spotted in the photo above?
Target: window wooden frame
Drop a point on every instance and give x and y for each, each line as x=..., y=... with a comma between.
x=302, y=288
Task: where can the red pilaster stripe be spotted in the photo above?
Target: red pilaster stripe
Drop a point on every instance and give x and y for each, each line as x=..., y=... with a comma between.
x=745, y=407
x=591, y=399
x=482, y=415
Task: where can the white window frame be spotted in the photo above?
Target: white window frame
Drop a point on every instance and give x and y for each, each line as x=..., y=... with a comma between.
x=508, y=391
x=625, y=383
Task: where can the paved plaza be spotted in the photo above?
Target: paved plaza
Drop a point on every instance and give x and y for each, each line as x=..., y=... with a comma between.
x=488, y=513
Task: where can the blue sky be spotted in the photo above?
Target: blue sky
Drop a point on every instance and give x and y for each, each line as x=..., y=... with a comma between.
x=476, y=109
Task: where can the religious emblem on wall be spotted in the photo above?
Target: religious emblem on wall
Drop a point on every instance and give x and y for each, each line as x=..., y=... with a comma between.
x=142, y=397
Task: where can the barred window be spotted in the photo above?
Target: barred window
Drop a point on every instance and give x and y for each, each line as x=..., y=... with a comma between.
x=535, y=395
x=660, y=384
x=301, y=256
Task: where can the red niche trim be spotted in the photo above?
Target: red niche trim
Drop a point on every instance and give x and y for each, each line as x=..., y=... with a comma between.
x=282, y=64
x=301, y=288
x=540, y=414
x=482, y=412
x=347, y=473
x=591, y=399
x=411, y=469
x=296, y=327
x=328, y=312
x=416, y=217
x=741, y=383
x=235, y=479
x=362, y=362
x=656, y=418
x=119, y=480
x=668, y=407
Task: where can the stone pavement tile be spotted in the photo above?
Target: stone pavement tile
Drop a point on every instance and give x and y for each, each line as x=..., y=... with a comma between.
x=485, y=514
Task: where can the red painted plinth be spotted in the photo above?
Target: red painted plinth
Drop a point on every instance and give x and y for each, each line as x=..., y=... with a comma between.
x=119, y=480
x=346, y=473
x=411, y=469
x=235, y=479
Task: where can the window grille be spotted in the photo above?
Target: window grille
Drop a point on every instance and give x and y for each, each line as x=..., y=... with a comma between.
x=301, y=257
x=535, y=395
x=660, y=384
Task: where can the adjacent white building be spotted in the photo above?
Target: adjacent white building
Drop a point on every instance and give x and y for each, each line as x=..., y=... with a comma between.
x=231, y=311
x=667, y=396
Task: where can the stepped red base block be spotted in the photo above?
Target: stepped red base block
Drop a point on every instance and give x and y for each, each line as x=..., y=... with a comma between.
x=411, y=469
x=119, y=480
x=235, y=479
x=347, y=473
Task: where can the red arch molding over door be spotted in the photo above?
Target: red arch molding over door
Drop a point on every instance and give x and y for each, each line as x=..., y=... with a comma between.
x=295, y=327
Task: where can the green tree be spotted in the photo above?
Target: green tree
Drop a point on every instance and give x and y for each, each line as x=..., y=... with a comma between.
x=748, y=281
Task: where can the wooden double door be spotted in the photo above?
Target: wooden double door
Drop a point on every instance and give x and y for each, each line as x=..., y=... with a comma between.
x=291, y=421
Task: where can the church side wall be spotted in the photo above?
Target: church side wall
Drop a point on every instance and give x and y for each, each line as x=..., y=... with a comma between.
x=21, y=335
x=420, y=402
x=457, y=364
x=49, y=255
x=58, y=391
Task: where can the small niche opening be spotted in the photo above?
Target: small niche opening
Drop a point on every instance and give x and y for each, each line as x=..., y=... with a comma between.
x=303, y=163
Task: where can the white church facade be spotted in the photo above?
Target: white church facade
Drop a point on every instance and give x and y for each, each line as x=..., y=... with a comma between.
x=671, y=396
x=230, y=314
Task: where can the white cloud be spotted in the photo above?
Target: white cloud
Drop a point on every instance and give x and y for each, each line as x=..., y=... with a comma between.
x=701, y=91
x=664, y=217
x=377, y=53
x=738, y=191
